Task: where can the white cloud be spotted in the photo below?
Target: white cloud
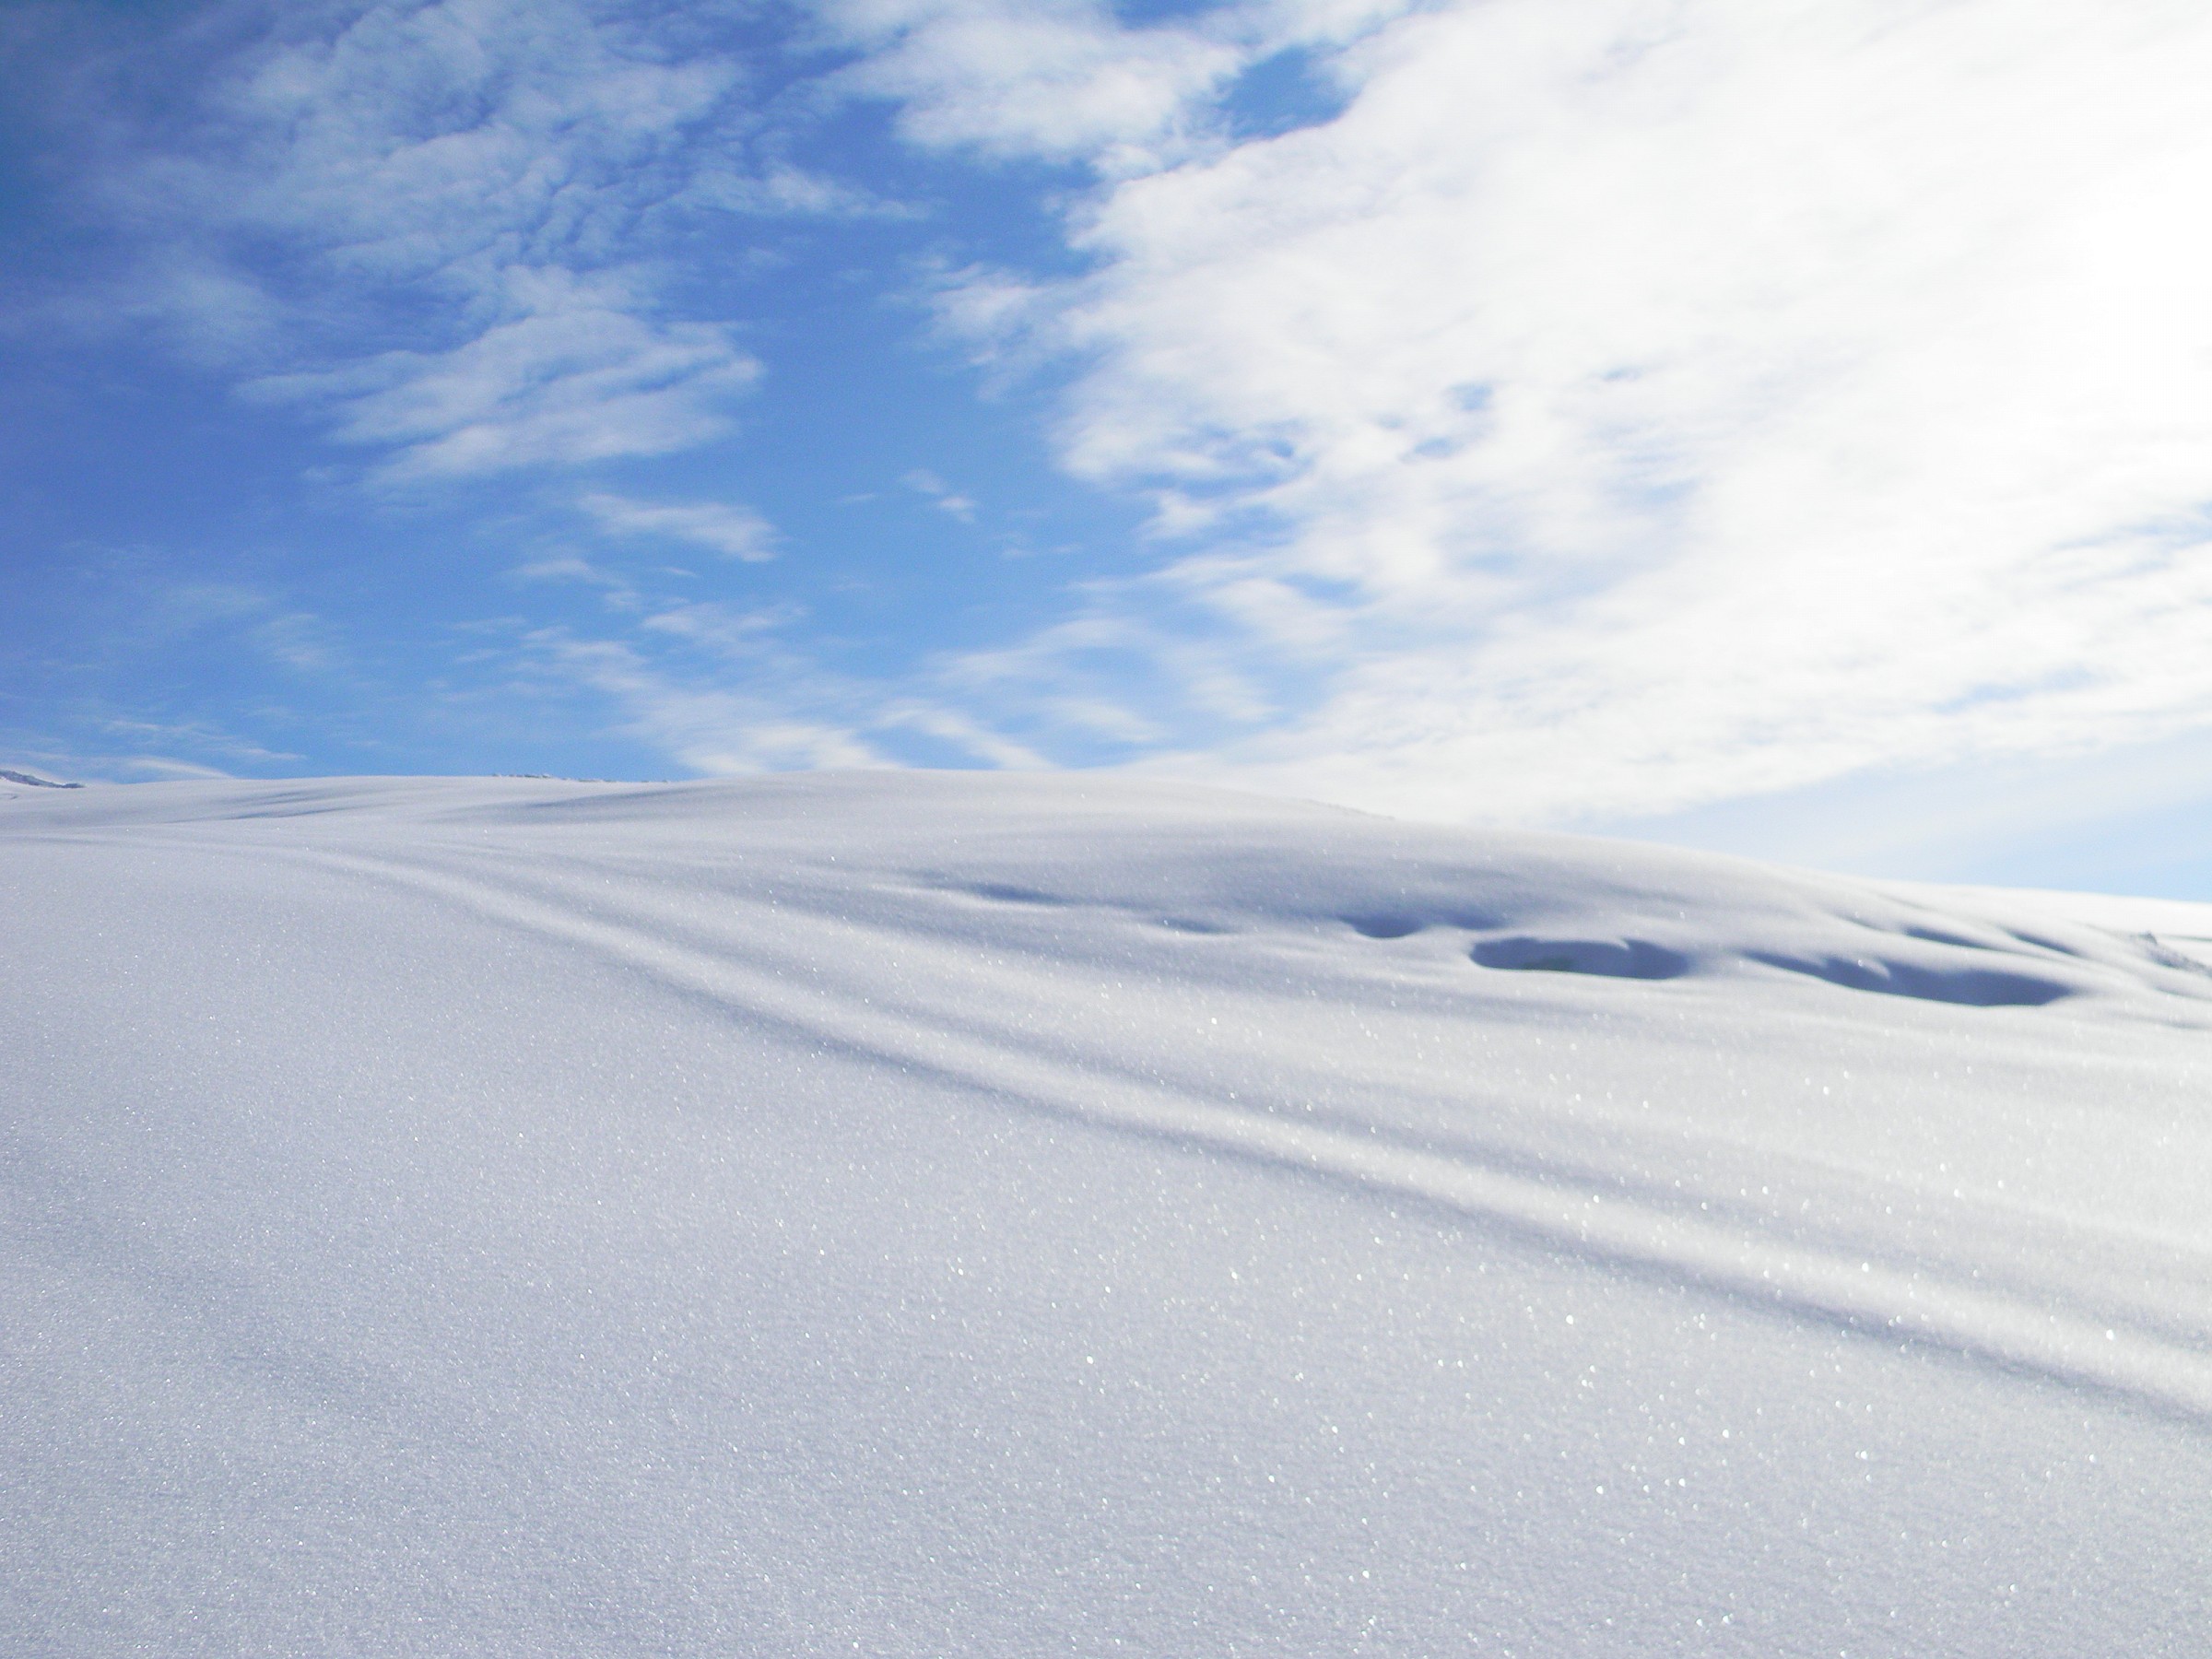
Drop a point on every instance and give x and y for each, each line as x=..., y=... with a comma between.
x=1059, y=78
x=730, y=528
x=947, y=499
x=200, y=735
x=568, y=567
x=706, y=724
x=1647, y=401
x=724, y=690
x=435, y=222
x=949, y=726
x=164, y=769
x=1065, y=79
x=737, y=634
x=301, y=640
x=572, y=374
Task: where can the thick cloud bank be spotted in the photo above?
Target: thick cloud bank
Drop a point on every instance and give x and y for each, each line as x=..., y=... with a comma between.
x=1010, y=1215
x=1621, y=405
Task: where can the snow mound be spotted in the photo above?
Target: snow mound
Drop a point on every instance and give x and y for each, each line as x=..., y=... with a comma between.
x=916, y=1213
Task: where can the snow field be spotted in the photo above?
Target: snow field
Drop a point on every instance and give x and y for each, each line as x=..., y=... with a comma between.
x=990, y=1215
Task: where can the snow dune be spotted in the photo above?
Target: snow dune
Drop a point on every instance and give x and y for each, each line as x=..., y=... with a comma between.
x=990, y=1215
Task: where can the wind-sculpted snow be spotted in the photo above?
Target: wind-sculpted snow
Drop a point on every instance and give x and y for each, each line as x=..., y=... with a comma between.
x=916, y=1214
x=1617, y=959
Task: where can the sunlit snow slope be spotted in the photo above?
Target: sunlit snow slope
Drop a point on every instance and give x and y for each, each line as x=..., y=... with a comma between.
x=913, y=1215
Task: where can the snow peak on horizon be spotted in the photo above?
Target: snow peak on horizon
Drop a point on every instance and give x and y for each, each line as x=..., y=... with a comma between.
x=1000, y=1214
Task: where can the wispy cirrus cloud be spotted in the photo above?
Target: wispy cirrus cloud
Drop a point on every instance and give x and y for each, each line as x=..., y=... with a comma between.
x=730, y=529
x=724, y=688
x=705, y=719
x=196, y=735
x=1069, y=80
x=941, y=495
x=437, y=223
x=572, y=373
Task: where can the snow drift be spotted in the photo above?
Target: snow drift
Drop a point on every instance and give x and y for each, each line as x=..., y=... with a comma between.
x=990, y=1215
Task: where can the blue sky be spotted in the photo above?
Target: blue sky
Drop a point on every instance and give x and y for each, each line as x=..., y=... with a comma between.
x=1776, y=427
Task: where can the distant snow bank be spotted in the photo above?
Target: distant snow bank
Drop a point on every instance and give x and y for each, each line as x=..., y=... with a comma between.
x=926, y=1213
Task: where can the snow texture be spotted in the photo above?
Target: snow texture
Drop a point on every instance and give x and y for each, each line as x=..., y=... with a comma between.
x=994, y=1214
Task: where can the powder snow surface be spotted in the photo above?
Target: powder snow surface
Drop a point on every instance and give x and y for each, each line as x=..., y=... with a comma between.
x=913, y=1215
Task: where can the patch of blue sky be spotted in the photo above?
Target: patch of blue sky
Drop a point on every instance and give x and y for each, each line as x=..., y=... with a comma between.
x=1282, y=93
x=133, y=478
